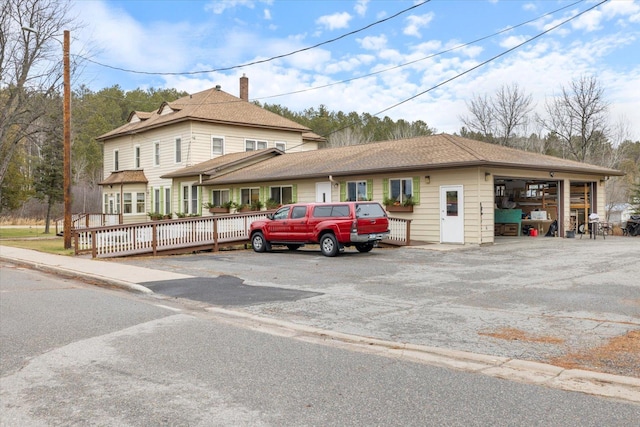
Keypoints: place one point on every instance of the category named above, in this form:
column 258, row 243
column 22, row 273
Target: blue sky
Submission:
column 189, row 36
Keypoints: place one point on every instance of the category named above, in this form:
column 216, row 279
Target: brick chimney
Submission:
column 244, row 88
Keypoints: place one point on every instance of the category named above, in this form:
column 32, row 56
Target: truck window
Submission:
column 281, row 213
column 342, row 210
column 322, row 211
column 298, row 212
column 369, row 210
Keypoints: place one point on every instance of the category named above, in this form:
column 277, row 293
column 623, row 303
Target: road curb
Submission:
column 74, row 274
column 530, row 372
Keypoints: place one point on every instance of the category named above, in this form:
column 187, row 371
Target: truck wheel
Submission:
column 258, row 242
column 364, row 247
column 329, row 245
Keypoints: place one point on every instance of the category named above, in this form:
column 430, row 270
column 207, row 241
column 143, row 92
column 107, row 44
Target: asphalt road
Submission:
column 74, row 354
column 564, row 295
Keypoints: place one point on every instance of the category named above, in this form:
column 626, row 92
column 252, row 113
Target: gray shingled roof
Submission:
column 219, row 164
column 213, row 106
column 425, row 152
column 125, row 177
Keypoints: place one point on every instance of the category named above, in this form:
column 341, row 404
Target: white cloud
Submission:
column 373, row 42
column 417, row 22
column 361, row 7
column 267, row 14
column 218, row 7
column 335, row 21
column 512, row 41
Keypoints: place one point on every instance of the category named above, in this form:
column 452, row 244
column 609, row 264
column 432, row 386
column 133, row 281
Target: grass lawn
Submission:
column 33, row 237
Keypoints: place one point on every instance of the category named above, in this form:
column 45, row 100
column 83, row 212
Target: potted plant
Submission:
column 224, row 208
column 155, row 216
column 256, row 205
column 243, row 207
column 272, row 204
column 394, row 205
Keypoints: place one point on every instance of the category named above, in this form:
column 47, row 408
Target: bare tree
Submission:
column 30, row 67
column 482, row 117
column 511, row 109
column 348, row 136
column 578, row 117
column 500, row 117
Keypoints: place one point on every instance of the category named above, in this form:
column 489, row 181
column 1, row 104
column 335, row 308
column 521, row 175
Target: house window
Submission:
column 178, row 150
column 167, row 201
column 140, row 202
column 282, row 195
column 116, row 160
column 156, row 154
column 220, row 197
column 156, row 200
column 128, row 208
column 106, row 204
column 252, row 144
column 282, row 146
column 136, row 157
column 356, row 190
column 189, row 199
column 401, row 189
column 217, row 146
column 249, row 195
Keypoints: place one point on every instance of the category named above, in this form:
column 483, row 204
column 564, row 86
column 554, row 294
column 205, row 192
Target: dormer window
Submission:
column 165, row 110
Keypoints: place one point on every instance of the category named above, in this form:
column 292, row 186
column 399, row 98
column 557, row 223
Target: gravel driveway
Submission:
column 545, row 299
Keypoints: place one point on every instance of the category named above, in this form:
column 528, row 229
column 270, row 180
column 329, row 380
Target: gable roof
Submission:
column 125, row 177
column 424, row 152
column 213, row 106
column 222, row 163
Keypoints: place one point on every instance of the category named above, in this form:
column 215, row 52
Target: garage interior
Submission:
column 531, row 207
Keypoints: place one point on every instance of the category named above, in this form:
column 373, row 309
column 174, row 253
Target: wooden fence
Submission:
column 185, row 235
column 89, row 220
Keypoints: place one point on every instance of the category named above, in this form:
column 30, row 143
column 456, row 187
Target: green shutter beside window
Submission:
column 343, row 191
column 369, row 189
column 294, row 193
column 416, row 190
column 385, row 189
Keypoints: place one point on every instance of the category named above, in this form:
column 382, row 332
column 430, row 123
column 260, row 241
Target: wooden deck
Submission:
column 185, row 235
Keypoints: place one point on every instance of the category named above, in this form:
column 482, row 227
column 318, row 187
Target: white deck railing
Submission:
column 176, row 234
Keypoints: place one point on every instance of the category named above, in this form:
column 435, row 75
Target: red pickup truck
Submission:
column 332, row 225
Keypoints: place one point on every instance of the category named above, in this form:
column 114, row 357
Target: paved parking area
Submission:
column 526, row 298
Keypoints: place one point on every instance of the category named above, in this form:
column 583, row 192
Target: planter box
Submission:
column 218, row 210
column 393, row 208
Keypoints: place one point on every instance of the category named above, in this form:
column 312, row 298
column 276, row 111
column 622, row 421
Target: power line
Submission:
column 421, row 59
column 510, row 28
column 493, row 58
column 189, row 73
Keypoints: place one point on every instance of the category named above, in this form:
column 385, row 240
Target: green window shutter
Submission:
column 416, row 190
column 369, row 189
column 161, row 202
column 151, row 204
column 294, row 193
column 263, row 194
column 343, row 191
column 200, row 200
column 385, row 189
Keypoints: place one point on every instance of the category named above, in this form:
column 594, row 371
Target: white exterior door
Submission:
column 323, row 192
column 451, row 214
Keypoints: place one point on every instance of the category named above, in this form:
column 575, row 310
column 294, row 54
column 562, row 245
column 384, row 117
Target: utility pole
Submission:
column 66, row 111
